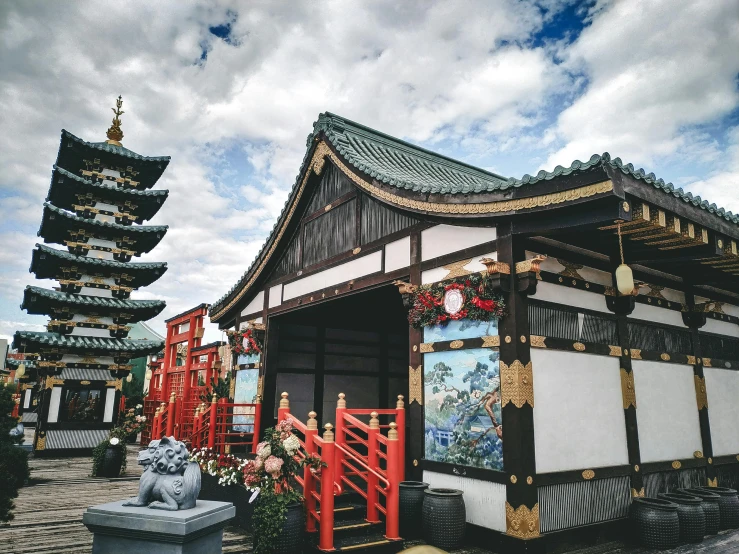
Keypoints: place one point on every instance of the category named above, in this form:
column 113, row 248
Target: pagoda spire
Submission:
column 114, row 134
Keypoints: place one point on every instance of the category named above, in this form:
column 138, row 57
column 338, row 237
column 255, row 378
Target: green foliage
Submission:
column 13, row 460
column 220, row 387
column 98, row 453
column 133, row 391
column 269, row 517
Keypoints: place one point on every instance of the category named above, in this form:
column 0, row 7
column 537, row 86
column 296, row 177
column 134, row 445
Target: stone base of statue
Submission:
column 122, row 529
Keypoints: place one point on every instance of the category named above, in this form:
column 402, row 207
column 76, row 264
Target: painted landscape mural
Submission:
column 245, row 392
column 462, row 399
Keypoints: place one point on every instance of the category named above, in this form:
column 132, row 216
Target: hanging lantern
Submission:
column 148, row 375
column 624, row 275
column 21, row 371
column 129, row 378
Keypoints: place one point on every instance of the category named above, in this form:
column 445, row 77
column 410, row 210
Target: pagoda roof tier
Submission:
column 58, row 225
column 74, row 153
column 66, row 188
column 39, row 301
column 49, row 263
column 72, row 344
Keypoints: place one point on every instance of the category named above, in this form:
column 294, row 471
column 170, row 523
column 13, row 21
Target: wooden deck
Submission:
column 48, row 515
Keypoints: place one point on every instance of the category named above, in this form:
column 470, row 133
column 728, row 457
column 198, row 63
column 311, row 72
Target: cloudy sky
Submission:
column 230, row 91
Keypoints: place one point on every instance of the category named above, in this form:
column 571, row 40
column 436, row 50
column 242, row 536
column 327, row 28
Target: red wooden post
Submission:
column 392, row 507
column 122, row 404
column 308, row 479
column 340, row 438
column 212, row 424
column 284, row 410
column 162, row 415
column 155, row 426
column 326, row 539
column 400, row 420
column 171, row 414
column 195, row 427
column 372, row 481
column 257, row 423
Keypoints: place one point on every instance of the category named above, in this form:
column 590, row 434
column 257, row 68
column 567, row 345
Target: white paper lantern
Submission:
column 148, row 375
column 624, row 279
column 21, row 371
column 129, row 378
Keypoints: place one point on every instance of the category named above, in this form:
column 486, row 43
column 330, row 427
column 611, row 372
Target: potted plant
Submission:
column 109, row 457
column 131, row 423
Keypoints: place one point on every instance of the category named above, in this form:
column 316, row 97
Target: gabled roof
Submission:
column 35, row 340
column 47, row 262
column 417, row 180
column 56, row 224
column 65, row 186
column 39, row 301
column 73, row 150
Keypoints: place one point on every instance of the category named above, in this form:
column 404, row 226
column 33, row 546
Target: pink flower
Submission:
column 258, row 463
column 273, row 466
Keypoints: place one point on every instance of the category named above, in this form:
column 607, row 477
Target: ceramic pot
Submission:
column 111, row 463
column 290, row 539
column 236, row 494
column 709, row 504
column 411, row 508
column 728, row 506
column 655, row 522
column 691, row 516
column 444, row 518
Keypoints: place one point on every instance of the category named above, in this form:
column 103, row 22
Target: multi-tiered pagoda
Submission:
column 100, row 194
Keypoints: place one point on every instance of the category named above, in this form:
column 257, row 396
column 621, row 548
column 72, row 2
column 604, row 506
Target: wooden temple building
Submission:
column 100, row 193
column 562, row 342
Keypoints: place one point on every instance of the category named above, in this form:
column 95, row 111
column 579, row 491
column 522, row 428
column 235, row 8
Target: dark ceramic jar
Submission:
column 728, row 505
column 411, row 508
column 290, row 539
column 709, row 504
column 444, row 518
column 655, row 522
column 111, row 462
column 690, row 514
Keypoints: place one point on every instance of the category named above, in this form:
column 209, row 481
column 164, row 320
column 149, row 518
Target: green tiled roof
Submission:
column 113, row 149
column 13, row 363
column 144, row 273
column 34, row 339
column 120, row 228
column 91, row 303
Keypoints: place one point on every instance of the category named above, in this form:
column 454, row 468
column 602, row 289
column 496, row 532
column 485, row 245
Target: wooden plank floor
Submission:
column 48, row 512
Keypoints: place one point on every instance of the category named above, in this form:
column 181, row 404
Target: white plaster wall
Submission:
column 97, row 254
column 578, row 411
column 83, row 332
column 666, row 410
column 27, row 399
column 439, row 273
column 100, row 242
column 570, row 297
column 74, row 358
column 484, row 501
column 256, row 305
column 398, row 254
column 104, row 218
column 552, row 265
column 358, row 267
column 657, row 314
column 54, row 401
column 721, row 328
column 109, row 405
column 91, row 278
column 106, row 207
column 83, row 317
column 111, row 172
column 275, row 296
column 722, row 388
column 445, row 239
column 245, row 324
column 92, row 291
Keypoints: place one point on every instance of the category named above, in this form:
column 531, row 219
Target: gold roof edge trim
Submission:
column 502, row 206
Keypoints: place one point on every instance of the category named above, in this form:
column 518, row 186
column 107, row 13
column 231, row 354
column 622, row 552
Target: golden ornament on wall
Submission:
column 700, row 392
column 713, row 482
column 588, row 474
column 522, row 522
column 677, row 464
column 456, row 344
column 628, row 393
column 427, row 347
column 537, row 341
column 637, row 493
column 415, row 385
column 517, row 384
column 580, row 347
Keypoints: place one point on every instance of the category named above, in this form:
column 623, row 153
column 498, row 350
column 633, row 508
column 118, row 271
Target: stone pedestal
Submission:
column 121, row 529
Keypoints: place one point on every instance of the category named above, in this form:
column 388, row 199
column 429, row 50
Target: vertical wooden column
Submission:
column 188, row 358
column 517, row 399
column 166, row 363
column 415, row 440
column 695, row 320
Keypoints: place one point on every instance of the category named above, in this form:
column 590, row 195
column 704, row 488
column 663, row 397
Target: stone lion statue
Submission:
column 169, row 481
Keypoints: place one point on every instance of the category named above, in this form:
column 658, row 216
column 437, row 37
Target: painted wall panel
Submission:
column 570, row 297
column 445, row 239
column 275, row 296
column 484, row 501
column 256, row 305
column 90, row 291
column 657, row 315
column 54, row 401
column 398, row 254
column 578, row 411
column 441, row 273
column 109, row 405
column 86, row 332
column 722, row 388
column 359, row 267
column 721, row 328
column 666, row 410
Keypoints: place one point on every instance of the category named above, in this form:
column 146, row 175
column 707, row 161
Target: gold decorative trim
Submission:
column 490, row 341
column 698, row 454
column 318, row 161
column 676, row 464
column 522, row 522
column 628, row 393
column 357, row 250
column 665, row 357
column 529, row 480
column 456, row 344
column 691, row 359
column 456, row 269
column 635, row 354
column 713, row 482
column 588, row 474
column 570, row 270
column 614, row 350
column 700, row 392
column 580, row 347
column 41, row 443
column 51, row 381
column 637, row 493
column 415, row 385
column 517, row 384
column 118, row 384
column 534, row 264
column 427, row 347
column 84, row 382
column 707, row 362
column 494, row 266
column 260, row 389
column 537, row 341
column 514, row 479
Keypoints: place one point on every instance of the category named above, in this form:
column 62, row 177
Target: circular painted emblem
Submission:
column 453, row 301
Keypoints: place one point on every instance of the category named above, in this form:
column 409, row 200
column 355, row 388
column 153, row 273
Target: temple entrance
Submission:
column 357, row 345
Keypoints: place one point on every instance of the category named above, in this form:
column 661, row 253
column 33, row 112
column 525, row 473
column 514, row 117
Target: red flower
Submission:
column 487, row 305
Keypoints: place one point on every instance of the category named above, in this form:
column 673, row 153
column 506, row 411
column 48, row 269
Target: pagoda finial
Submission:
column 115, row 135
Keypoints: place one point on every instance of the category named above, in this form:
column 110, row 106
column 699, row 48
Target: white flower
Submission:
column 264, row 452
column 291, row 444
column 114, row 441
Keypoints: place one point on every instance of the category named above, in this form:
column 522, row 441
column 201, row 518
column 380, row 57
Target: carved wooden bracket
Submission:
column 527, row 274
column 621, row 305
column 406, row 290
column 695, row 318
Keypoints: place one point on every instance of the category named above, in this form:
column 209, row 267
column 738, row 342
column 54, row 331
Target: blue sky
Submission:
column 230, row 91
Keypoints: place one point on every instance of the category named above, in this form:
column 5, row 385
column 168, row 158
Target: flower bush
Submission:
column 229, row 469
column 130, row 423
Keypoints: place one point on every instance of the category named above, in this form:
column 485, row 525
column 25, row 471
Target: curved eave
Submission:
column 46, row 263
column 56, row 224
column 40, row 301
column 65, row 186
column 40, row 341
column 73, row 150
